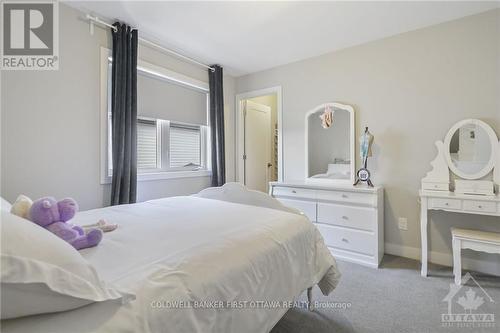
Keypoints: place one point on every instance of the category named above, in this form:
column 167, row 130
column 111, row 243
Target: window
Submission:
column 185, row 146
column 147, row 145
column 166, row 146
column 172, row 135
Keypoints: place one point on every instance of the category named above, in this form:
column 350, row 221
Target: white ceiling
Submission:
column 246, row 37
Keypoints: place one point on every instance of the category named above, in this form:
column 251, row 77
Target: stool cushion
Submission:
column 476, row 234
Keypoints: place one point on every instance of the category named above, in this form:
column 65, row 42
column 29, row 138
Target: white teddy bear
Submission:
column 21, row 207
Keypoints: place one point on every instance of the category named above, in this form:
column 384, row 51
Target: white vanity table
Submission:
column 350, row 218
column 451, row 202
column 471, row 152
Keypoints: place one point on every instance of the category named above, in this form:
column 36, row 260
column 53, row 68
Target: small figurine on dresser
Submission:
column 365, row 151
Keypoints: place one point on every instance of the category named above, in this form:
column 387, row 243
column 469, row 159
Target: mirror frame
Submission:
column 352, row 140
column 493, row 141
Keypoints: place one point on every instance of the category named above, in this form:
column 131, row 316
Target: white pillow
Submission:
column 238, row 193
column 341, row 168
column 5, row 205
column 42, row 273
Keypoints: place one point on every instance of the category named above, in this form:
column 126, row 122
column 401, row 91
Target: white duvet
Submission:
column 225, row 266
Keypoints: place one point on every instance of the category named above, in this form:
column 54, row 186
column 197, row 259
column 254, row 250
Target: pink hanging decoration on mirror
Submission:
column 327, row 117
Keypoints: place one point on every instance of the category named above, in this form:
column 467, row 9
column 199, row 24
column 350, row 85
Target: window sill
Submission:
column 144, row 177
column 172, row 175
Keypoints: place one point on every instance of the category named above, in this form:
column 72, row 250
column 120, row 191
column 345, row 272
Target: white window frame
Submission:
column 153, row 174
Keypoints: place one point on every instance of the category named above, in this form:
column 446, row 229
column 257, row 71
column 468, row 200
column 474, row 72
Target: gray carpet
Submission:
column 395, row 298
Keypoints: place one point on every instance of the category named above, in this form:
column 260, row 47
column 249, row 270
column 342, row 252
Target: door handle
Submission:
column 269, row 165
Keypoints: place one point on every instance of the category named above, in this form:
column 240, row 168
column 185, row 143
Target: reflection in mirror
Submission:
column 329, row 148
column 470, row 148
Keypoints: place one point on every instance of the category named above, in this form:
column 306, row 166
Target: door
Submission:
column 257, row 145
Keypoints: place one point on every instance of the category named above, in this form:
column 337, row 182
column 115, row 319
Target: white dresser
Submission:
column 351, row 219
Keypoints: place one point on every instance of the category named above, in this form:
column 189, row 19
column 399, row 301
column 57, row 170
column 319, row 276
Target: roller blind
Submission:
column 159, row 98
column 147, row 145
column 184, row 146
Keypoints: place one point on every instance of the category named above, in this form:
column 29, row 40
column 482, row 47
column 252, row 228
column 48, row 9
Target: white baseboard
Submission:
column 445, row 259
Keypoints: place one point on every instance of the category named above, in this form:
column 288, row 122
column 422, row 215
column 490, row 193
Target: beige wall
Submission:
column 409, row 89
column 50, row 122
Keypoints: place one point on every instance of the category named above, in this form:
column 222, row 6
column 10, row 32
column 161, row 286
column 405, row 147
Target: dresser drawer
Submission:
column 348, row 197
column 307, row 207
column 347, row 216
column 294, row 192
column 480, row 206
column 350, row 240
column 445, row 203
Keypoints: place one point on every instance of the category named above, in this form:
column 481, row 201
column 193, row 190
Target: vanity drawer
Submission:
column 294, row 192
column 351, row 240
column 445, row 203
column 347, row 216
column 307, row 207
column 435, row 186
column 348, row 197
column 480, row 206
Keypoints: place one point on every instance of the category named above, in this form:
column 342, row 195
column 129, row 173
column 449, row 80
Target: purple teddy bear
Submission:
column 53, row 216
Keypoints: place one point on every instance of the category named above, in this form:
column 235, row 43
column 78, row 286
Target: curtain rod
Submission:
column 95, row 19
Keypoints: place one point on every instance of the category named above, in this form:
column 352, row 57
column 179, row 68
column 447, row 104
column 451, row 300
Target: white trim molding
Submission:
column 105, row 53
column 444, row 259
column 173, row 174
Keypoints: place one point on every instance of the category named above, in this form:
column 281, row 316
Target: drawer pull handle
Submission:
column 479, row 206
column 446, row 204
column 345, row 240
column 344, row 196
column 345, row 217
column 293, row 191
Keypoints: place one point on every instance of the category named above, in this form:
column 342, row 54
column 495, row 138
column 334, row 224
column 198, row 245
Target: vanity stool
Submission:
column 471, row 239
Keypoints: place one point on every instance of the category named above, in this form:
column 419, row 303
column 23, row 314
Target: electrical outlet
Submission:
column 403, row 223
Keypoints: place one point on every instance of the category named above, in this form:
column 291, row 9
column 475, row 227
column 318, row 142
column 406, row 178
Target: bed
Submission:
column 197, row 264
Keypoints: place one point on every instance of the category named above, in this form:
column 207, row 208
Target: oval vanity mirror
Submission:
column 330, row 144
column 470, row 149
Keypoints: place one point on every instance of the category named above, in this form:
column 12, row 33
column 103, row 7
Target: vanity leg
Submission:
column 457, row 261
column 423, row 235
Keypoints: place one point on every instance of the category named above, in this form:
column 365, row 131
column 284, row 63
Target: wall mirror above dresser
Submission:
column 329, row 144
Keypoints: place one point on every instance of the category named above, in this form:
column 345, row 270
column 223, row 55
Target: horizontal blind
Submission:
column 146, row 145
column 184, row 146
column 161, row 99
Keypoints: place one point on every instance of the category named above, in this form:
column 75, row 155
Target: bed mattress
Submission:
column 196, row 265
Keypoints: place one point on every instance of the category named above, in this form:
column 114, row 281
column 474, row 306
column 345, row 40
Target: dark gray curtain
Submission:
column 217, row 125
column 124, row 115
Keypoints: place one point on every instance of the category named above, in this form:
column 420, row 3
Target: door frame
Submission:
column 240, row 128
